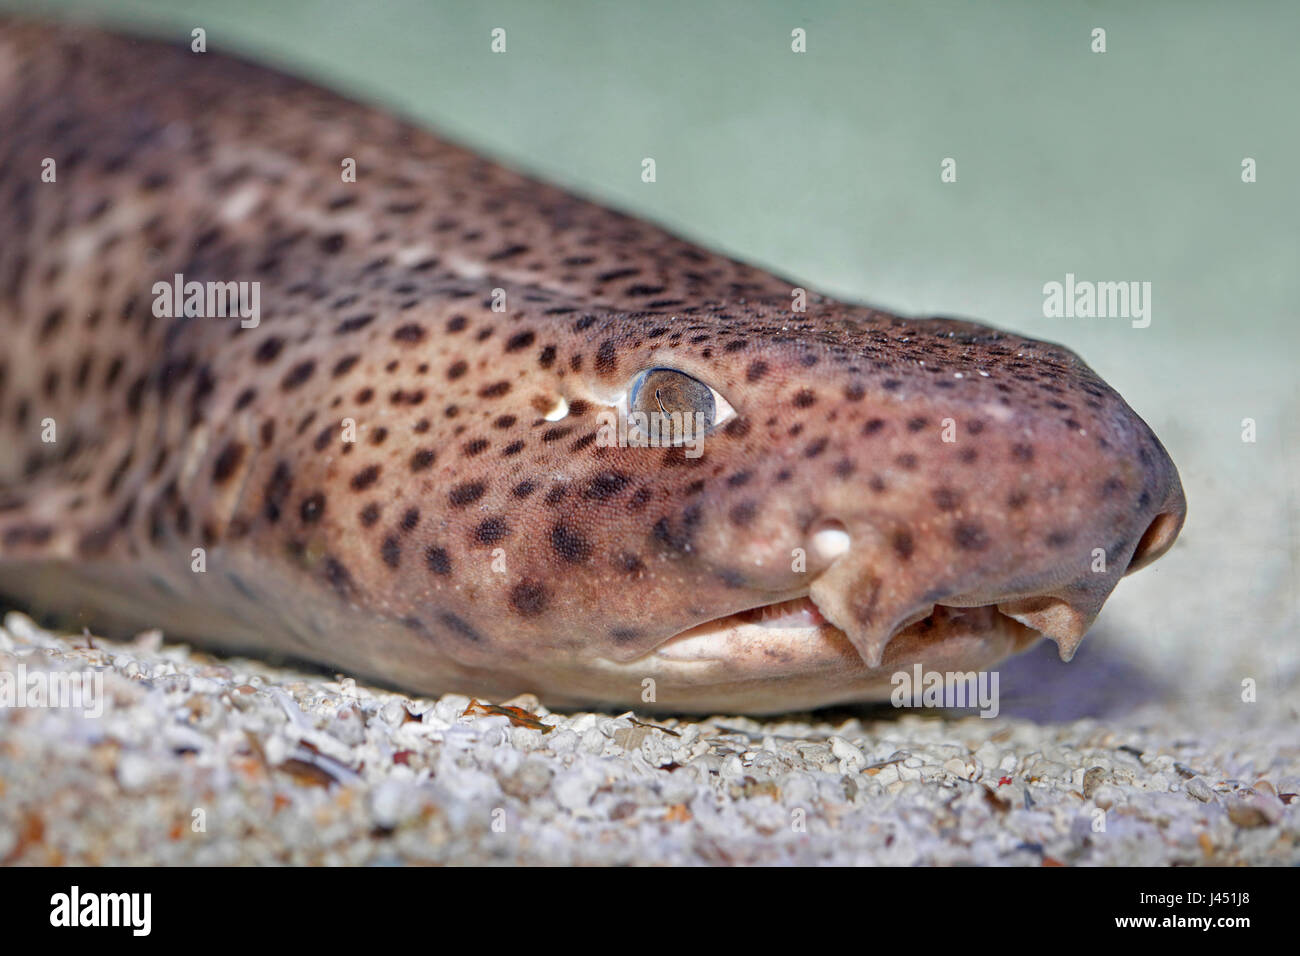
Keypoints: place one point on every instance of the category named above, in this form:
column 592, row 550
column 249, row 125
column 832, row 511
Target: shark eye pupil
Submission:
column 672, row 402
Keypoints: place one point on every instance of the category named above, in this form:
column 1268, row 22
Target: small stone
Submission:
column 1092, row 779
column 957, row 767
column 1254, row 809
column 135, row 772
column 573, row 791
column 1199, row 789
column 844, row 750
column 530, row 780
column 392, row 803
column 732, row 768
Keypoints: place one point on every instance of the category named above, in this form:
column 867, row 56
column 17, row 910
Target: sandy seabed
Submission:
column 200, row 760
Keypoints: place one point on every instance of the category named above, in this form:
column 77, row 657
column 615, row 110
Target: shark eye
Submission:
column 674, row 407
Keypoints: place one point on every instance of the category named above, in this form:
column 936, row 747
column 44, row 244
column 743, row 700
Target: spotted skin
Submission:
column 467, row 539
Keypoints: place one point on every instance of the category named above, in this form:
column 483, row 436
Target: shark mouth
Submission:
column 794, row 632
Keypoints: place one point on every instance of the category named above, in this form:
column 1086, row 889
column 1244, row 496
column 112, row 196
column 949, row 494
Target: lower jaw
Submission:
column 792, row 638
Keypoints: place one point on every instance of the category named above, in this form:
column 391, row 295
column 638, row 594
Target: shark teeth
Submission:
column 1054, row 618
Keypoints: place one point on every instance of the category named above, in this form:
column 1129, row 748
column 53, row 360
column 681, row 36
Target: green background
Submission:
column 824, row 167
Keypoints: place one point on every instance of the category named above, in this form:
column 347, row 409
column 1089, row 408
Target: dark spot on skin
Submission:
column 606, row 485
column 743, row 513
column 946, row 499
column 1111, row 487
column 323, row 438
column 1059, row 538
column 970, row 536
column 369, row 515
column 276, row 491
column 872, row 426
column 606, row 358
column 437, row 560
column 135, row 393
column 269, row 350
column 524, row 488
column 491, row 530
column 907, row 462
column 507, row 252
column 337, row 575
column 344, row 365
column 1017, row 500
column 815, row 448
column 28, row 534
column 409, row 334
column 459, row 627
column 228, row 462
column 415, row 624
column 365, row 395
column 804, row 399
column 354, row 324
column 513, row 448
column 903, row 544
column 547, row 357
column 457, row 323
column 365, row 478
column 410, row 518
column 457, row 369
column 855, row 392
column 495, row 390
column 1022, row 452
column 297, row 375
column 756, row 371
column 916, row 424
column 332, row 243
column 569, row 544
column 422, row 459
column 391, row 551
column 466, row 494
column 529, row 598
column 520, row 340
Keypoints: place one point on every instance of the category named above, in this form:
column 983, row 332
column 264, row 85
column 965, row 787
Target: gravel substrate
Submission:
column 199, row 760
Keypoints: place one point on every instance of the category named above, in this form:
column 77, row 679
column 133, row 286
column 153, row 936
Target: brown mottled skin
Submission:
column 377, row 557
